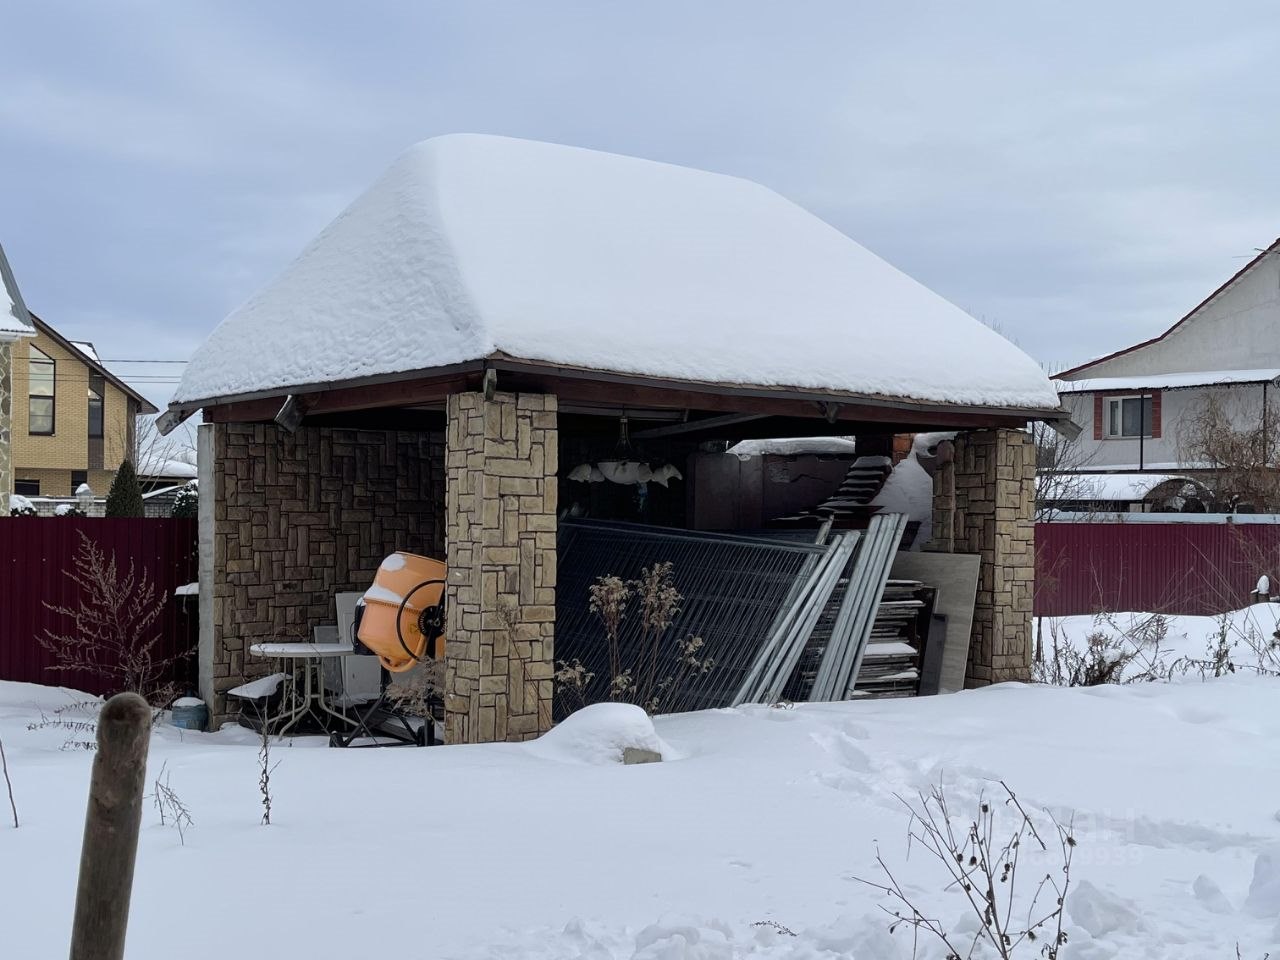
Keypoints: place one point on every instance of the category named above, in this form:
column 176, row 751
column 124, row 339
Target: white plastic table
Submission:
column 310, row 701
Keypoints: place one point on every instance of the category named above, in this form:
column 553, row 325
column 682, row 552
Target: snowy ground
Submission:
column 553, row 851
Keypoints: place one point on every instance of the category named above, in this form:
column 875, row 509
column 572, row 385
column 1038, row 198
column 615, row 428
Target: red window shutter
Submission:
column 1155, row 413
column 1097, row 416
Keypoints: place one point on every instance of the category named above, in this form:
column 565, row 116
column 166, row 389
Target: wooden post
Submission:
column 111, row 829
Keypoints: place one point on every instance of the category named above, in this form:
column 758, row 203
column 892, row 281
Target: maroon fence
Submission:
column 35, row 552
column 1177, row 568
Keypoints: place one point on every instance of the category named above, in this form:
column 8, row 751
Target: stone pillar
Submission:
column 501, row 461
column 6, row 425
column 211, row 492
column 994, row 517
column 944, row 500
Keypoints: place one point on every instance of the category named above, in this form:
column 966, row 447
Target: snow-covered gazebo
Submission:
column 492, row 306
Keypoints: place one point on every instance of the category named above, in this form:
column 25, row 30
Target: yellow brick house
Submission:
column 73, row 420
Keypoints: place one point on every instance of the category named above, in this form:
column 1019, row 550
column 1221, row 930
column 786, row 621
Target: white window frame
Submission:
column 1107, row 406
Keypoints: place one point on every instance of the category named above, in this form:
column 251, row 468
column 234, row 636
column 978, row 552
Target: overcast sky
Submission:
column 1078, row 176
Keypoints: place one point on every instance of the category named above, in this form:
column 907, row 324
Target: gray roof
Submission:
column 14, row 319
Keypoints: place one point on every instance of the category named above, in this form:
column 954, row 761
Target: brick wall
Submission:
column 994, row 490
column 299, row 517
column 68, row 448
column 502, row 457
column 57, row 482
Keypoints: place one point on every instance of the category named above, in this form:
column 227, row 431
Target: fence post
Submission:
column 111, row 829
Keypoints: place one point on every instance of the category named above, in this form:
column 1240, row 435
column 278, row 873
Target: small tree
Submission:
column 186, row 502
column 1059, row 462
column 1238, row 444
column 125, row 498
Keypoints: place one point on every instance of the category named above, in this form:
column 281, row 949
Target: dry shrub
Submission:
column 1113, row 652
column 112, row 633
column 633, row 675
column 415, row 693
column 984, row 864
column 4, row 766
column 173, row 812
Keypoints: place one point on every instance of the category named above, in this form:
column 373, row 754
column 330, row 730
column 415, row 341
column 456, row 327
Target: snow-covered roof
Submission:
column 88, row 349
column 175, row 467
column 795, row 447
column 1169, row 381
column 1104, row 486
column 473, row 246
column 14, row 320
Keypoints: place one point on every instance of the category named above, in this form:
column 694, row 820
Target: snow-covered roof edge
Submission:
column 41, row 325
column 14, row 318
column 1170, row 381
column 1104, row 486
column 795, row 447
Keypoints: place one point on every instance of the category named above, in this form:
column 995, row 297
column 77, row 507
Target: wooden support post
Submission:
column 111, row 825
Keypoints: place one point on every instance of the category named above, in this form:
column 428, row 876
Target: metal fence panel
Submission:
column 35, row 552
column 734, row 589
column 1177, row 568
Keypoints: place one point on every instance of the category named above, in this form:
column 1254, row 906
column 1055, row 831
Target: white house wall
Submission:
column 1243, row 402
column 1237, row 330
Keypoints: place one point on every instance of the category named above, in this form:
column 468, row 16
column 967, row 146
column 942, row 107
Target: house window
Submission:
column 78, row 477
column 97, row 386
column 1128, row 416
column 28, row 488
column 40, row 383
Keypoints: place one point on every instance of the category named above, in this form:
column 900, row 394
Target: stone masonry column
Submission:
column 944, row 500
column 994, row 517
column 501, row 461
column 6, row 425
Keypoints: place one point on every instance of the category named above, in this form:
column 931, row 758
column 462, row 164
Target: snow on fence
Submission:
column 35, row 552
column 57, row 506
column 1201, row 568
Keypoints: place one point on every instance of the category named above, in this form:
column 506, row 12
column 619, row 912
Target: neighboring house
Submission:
column 1134, row 404
column 73, row 420
column 15, row 325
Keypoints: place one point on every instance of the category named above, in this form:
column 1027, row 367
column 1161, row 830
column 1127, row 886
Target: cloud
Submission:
column 1080, row 176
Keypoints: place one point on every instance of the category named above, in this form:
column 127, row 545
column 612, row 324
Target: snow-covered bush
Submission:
column 20, row 506
column 68, row 510
column 1115, row 650
column 186, row 502
column 1134, row 647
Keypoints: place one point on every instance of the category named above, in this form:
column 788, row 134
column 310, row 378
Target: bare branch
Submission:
column 4, row 765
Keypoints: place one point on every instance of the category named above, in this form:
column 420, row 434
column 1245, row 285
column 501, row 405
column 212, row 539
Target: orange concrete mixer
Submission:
column 401, row 620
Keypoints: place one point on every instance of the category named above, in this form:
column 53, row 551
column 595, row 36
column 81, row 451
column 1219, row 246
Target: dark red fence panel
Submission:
column 1178, row 568
column 35, row 552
